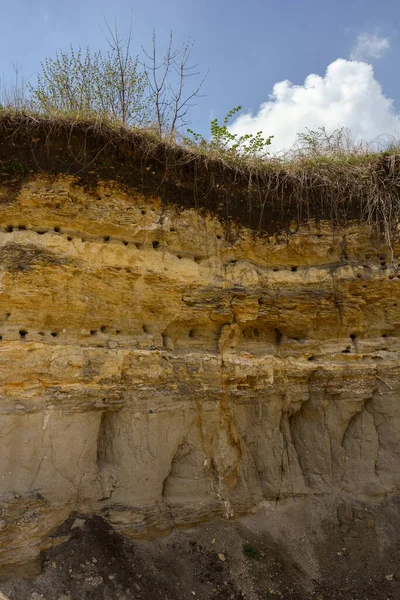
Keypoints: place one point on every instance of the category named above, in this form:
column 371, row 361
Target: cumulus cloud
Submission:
column 347, row 96
column 369, row 45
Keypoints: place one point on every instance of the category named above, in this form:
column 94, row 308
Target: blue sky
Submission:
column 247, row 47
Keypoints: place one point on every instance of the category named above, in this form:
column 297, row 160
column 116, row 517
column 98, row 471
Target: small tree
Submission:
column 116, row 85
column 231, row 144
column 84, row 82
column 168, row 80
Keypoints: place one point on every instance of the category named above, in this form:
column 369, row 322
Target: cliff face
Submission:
column 159, row 368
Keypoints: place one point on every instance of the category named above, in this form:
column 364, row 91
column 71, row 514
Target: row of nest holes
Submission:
column 347, row 350
column 23, row 332
column 293, row 269
column 11, row 228
column 93, row 332
column 156, row 244
column 106, row 239
column 353, row 336
column 192, row 334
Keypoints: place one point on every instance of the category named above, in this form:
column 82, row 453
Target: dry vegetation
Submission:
column 265, row 194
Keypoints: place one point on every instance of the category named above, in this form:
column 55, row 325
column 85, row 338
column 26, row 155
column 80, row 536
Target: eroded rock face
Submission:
column 159, row 368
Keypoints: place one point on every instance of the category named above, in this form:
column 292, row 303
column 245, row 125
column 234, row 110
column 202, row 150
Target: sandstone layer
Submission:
column 159, row 368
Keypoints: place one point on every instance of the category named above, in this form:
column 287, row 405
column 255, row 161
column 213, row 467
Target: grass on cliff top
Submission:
column 265, row 194
column 296, row 158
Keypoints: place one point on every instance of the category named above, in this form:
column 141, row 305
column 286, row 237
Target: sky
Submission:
column 291, row 64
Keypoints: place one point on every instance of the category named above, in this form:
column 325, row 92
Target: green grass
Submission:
column 250, row 551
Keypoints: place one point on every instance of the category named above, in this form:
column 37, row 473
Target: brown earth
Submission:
column 224, row 560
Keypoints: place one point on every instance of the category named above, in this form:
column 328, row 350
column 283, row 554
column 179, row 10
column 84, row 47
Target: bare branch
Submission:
column 167, row 81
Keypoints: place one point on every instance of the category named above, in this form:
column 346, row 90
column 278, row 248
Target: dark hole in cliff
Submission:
column 42, row 333
column 106, row 238
column 8, row 315
column 9, row 228
column 40, row 232
column 293, row 269
column 250, row 332
column 150, row 412
column 22, row 333
column 384, row 335
column 145, row 329
column 172, row 230
column 310, row 358
column 103, row 328
column 117, row 331
column 346, row 350
column 54, row 334
column 143, row 212
column 155, row 244
column 275, row 269
column 278, row 336
column 218, row 237
column 22, row 227
column 359, row 275
column 125, row 242
column 179, row 256
column 93, row 332
column 191, row 333
column 353, row 336
column 57, row 229
column 197, row 259
column 1, row 337
column 69, row 238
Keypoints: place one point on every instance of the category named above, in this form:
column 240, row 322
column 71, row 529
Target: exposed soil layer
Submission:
column 265, row 196
column 221, row 560
column 160, row 370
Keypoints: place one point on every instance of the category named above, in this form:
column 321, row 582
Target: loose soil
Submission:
column 222, row 560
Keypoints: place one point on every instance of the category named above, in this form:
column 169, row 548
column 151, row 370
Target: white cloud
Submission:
column 347, row 96
column 369, row 45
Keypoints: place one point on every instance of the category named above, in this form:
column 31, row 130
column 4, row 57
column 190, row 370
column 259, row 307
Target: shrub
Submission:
column 230, row 144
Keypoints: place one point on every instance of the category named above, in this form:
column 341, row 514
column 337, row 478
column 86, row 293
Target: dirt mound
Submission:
column 220, row 560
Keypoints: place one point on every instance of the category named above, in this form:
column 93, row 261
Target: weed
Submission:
column 250, row 551
column 17, row 168
column 230, row 144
